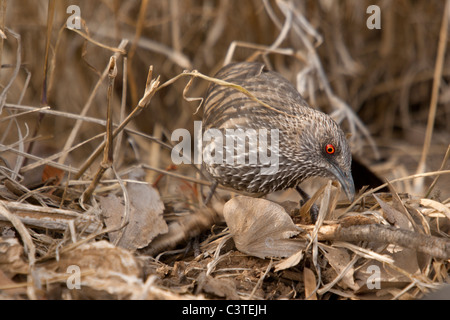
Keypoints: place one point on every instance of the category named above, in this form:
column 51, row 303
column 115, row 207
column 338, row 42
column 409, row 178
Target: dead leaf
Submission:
column 145, row 219
column 112, row 211
column 339, row 258
column 289, row 262
column 439, row 207
column 52, row 175
column 309, row 279
column 394, row 216
column 261, row 228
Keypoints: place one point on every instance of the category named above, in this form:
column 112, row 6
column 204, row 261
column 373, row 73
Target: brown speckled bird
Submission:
column 310, row 143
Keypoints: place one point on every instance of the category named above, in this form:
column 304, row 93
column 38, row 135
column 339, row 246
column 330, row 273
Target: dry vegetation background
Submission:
column 389, row 88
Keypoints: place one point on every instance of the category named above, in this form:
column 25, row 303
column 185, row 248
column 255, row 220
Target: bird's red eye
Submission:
column 329, row 148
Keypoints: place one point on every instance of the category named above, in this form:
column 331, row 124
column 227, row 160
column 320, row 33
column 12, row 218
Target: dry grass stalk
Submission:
column 50, row 16
column 435, row 91
column 107, row 161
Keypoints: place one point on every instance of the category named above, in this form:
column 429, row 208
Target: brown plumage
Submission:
column 310, row 143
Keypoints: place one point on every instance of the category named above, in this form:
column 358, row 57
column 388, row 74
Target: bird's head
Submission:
column 320, row 145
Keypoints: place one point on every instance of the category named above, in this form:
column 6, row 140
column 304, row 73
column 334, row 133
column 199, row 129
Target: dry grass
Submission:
column 87, row 179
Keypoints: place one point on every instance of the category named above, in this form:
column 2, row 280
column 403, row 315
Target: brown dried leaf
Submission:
column 310, row 284
column 261, row 228
column 394, row 216
column 339, row 258
column 145, row 221
column 52, row 175
column 289, row 262
column 439, row 207
column 112, row 211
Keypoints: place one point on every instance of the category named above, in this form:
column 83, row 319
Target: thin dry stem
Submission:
column 109, row 143
column 435, row 91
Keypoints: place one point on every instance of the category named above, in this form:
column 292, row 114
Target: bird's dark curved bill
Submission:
column 346, row 181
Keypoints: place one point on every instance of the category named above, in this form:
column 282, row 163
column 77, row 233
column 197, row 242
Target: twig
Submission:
column 109, row 149
column 50, row 16
column 49, row 218
column 119, row 50
column 122, row 106
column 433, row 246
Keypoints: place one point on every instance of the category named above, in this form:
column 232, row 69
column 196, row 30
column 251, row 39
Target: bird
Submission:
column 309, row 143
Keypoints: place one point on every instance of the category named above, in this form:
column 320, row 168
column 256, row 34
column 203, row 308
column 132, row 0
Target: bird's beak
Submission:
column 346, row 181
